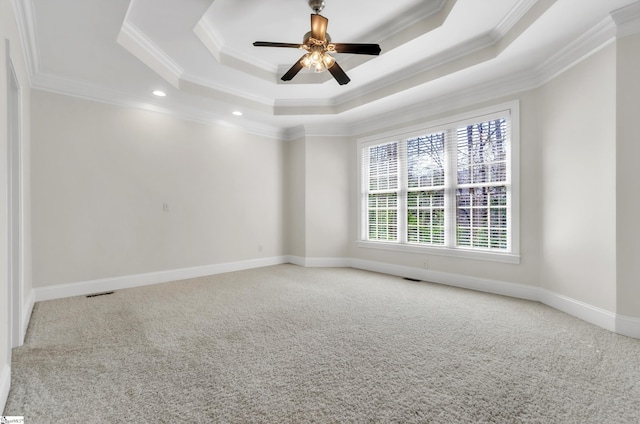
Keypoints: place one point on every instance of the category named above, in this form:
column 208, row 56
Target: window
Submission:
column 445, row 188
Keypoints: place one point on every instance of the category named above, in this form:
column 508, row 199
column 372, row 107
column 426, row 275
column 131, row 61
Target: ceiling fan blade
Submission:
column 339, row 74
column 270, row 44
column 293, row 71
column 357, row 48
column 319, row 27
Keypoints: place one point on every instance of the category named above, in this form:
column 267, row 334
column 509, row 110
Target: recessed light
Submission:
column 159, row 93
column 237, row 113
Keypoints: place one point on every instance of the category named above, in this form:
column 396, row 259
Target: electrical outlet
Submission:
column 259, row 248
column 426, row 264
column 165, row 207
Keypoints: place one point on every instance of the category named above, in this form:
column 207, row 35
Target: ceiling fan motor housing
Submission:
column 316, row 5
column 307, row 36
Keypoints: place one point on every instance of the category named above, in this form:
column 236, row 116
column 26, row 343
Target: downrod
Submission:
column 316, row 5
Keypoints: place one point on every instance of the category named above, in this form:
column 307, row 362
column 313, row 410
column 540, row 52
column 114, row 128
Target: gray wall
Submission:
column 578, row 136
column 101, row 177
column 628, row 175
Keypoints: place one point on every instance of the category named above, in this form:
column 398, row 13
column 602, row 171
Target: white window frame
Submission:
column 510, row 109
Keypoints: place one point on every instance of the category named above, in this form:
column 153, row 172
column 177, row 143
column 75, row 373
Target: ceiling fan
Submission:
column 318, row 46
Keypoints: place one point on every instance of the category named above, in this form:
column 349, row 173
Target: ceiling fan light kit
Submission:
column 318, row 46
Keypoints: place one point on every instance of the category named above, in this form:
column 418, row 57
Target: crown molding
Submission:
column 475, row 94
column 465, row 55
column 295, row 133
column 73, row 88
column 485, row 47
column 620, row 23
column 394, row 32
column 317, row 130
column 319, row 102
column 228, row 56
column 225, row 55
column 136, row 42
column 512, row 18
column 415, row 22
column 196, row 85
column 627, row 20
column 322, row 130
column 596, row 38
column 419, row 20
column 143, row 48
column 418, row 70
column 208, row 35
column 26, row 22
column 250, row 127
column 480, row 49
column 383, row 87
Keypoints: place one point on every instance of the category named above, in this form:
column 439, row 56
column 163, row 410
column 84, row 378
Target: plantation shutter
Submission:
column 425, row 200
column 382, row 185
column 482, row 184
column 447, row 188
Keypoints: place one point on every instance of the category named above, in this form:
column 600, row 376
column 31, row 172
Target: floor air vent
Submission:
column 99, row 294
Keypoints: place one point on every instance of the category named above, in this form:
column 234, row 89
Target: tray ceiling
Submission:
column 435, row 54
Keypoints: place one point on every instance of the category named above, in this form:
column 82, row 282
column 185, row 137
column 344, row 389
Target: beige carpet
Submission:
column 286, row 344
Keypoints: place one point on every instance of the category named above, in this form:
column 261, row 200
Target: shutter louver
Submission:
column 481, row 194
column 448, row 188
column 425, row 189
column 382, row 198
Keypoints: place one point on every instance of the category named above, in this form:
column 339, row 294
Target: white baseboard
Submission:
column 319, row 262
column 474, row 283
column 26, row 316
column 584, row 311
column 628, row 326
column 295, row 260
column 620, row 324
column 5, row 385
column 138, row 280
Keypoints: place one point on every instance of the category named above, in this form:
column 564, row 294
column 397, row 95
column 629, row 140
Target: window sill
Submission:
column 443, row 251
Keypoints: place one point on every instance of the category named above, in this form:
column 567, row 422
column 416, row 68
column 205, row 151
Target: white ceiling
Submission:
column 435, row 54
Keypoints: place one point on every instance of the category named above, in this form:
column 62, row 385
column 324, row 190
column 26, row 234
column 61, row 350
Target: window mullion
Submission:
column 450, row 181
column 403, row 185
column 364, row 196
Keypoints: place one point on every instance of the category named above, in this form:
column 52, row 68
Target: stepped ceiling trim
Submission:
column 395, row 32
column 627, row 20
column 28, row 36
column 385, row 90
column 471, row 53
column 142, row 47
column 474, row 51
